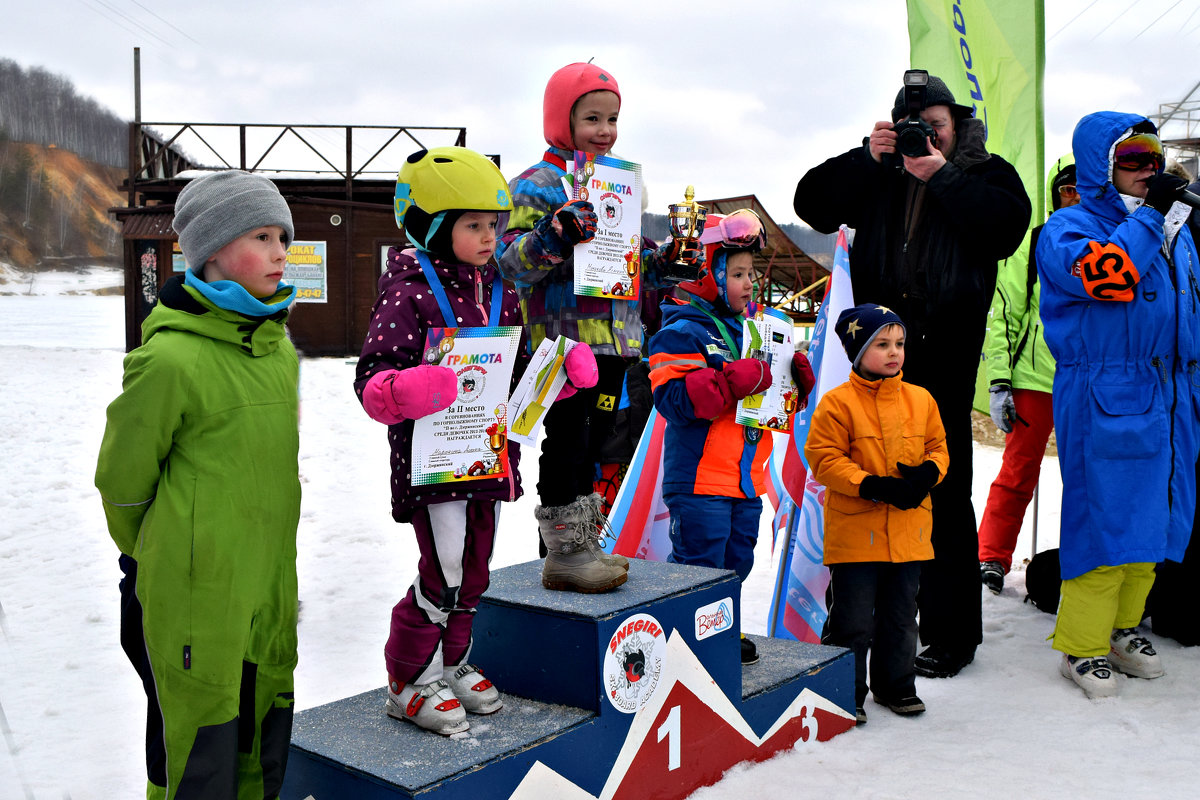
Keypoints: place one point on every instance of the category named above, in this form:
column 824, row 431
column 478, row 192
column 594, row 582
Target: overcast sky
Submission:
column 734, row 97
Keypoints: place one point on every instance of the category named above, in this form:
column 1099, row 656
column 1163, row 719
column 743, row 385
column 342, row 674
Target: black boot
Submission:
column 937, row 661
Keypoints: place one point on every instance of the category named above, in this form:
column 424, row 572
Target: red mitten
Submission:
column 709, row 392
column 802, row 374
column 747, row 376
column 393, row 396
column 582, row 372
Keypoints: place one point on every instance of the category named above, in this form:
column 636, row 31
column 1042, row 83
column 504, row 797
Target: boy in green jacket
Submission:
column 199, row 474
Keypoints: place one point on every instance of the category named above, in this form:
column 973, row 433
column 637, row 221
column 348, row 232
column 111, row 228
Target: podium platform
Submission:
column 638, row 692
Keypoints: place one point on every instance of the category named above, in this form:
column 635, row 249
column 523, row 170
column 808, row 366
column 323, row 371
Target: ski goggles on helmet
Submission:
column 741, row 230
column 1138, row 152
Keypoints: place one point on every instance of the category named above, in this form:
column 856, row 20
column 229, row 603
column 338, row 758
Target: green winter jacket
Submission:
column 198, row 470
column 1014, row 350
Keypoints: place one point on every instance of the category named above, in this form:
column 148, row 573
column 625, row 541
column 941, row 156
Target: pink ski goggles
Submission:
column 741, row 230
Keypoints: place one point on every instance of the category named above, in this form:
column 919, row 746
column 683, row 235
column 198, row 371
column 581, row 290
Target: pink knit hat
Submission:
column 565, row 87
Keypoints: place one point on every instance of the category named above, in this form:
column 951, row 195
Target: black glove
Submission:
column 1164, row 190
column 578, row 220
column 897, row 492
column 923, row 477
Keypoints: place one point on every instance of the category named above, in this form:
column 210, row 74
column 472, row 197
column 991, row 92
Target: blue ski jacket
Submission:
column 1122, row 320
column 719, row 457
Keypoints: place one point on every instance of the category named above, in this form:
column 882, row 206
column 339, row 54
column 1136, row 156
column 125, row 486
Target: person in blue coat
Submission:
column 1121, row 313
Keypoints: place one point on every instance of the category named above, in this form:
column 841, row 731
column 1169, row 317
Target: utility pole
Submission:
column 137, row 84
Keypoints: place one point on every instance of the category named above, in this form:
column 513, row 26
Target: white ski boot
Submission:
column 1133, row 654
column 475, row 692
column 431, row 706
column 1093, row 675
column 574, row 561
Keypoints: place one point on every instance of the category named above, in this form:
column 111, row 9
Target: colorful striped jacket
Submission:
column 545, row 280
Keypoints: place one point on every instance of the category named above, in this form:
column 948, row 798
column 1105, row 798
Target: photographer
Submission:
column 929, row 230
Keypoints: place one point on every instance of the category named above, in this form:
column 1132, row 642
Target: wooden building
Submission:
column 785, row 277
column 339, row 182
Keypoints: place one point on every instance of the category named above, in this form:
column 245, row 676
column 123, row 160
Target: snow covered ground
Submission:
column 71, row 708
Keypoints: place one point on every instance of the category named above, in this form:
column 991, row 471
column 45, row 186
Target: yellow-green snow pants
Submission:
column 1094, row 603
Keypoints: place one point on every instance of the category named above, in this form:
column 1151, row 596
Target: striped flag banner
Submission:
column 798, row 601
column 639, row 518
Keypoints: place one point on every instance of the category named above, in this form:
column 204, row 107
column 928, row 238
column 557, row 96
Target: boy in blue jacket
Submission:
column 712, row 465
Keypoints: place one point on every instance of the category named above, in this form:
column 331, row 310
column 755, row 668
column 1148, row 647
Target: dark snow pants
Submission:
column 949, row 599
column 873, row 608
column 576, row 429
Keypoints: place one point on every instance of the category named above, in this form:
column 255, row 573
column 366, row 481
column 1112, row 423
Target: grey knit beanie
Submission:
column 215, row 209
column 937, row 93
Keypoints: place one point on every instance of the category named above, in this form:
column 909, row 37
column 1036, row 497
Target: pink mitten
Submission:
column 709, row 392
column 582, row 372
column 393, row 396
column 747, row 376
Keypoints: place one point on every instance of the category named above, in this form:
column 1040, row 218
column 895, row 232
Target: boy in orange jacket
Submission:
column 878, row 446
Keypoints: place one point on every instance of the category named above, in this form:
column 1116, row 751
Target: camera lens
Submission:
column 911, row 142
column 911, row 136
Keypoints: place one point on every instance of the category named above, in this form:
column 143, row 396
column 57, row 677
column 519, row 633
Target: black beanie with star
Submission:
column 857, row 327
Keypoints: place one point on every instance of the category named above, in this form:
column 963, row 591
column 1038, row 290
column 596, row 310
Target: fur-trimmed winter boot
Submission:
column 594, row 503
column 573, row 557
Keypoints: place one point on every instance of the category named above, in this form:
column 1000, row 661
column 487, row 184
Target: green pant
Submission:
column 220, row 688
column 224, row 741
column 1096, row 602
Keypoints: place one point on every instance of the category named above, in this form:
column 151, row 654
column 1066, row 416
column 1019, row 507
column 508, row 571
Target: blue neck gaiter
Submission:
column 233, row 296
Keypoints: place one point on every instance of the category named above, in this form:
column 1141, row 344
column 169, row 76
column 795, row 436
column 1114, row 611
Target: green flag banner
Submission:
column 992, row 56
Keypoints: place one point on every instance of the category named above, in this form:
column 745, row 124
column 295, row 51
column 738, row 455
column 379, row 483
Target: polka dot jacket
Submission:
column 402, row 315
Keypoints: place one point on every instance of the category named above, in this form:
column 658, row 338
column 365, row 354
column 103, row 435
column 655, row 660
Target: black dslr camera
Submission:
column 913, row 132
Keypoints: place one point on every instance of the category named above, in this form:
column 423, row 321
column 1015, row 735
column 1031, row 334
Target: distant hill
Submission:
column 62, row 157
column 54, row 207
column 40, row 107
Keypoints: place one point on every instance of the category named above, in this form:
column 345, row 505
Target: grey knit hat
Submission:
column 937, row 93
column 215, row 209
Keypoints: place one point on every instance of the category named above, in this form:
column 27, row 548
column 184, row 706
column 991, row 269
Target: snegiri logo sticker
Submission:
column 714, row 618
column 471, row 380
column 633, row 662
column 610, row 210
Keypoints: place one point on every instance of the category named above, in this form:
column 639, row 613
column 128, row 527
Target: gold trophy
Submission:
column 686, row 220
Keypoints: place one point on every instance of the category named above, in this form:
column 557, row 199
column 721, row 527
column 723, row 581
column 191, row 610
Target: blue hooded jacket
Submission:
column 1122, row 318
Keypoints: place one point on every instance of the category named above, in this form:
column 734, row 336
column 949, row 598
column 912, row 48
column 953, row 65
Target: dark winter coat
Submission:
column 928, row 251
column 1127, row 384
column 400, row 319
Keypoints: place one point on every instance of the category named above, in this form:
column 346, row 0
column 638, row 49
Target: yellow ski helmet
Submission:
column 451, row 178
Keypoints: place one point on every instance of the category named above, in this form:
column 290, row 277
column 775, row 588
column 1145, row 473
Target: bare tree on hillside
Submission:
column 40, row 107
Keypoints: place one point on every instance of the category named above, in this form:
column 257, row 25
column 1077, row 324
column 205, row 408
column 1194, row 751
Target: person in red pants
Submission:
column 1021, row 375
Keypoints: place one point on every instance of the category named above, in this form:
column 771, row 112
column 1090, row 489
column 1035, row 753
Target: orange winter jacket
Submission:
column 863, row 428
